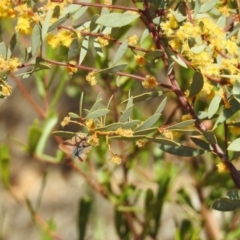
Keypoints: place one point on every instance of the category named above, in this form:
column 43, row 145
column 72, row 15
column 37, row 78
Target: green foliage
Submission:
column 151, row 95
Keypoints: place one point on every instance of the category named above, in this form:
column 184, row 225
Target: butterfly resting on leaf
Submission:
column 77, row 147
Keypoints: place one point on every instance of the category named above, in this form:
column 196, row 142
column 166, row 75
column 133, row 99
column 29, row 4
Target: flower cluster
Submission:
column 91, row 78
column 26, row 19
column 140, row 60
column 124, row 132
column 132, row 41
column 63, row 37
column 102, row 41
column 116, row 159
column 206, row 46
column 149, row 82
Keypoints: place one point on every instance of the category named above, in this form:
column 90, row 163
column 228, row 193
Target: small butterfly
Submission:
column 76, row 147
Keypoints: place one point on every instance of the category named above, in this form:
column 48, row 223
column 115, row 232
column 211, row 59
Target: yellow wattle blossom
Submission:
column 149, row 82
column 234, row 130
column 186, row 117
column 168, row 134
column 227, row 104
column 93, row 140
column 140, row 60
column 209, row 44
column 90, row 124
column 5, row 89
column 71, row 69
column 65, row 121
column 225, row 10
column 26, row 19
column 102, row 41
column 132, row 41
column 6, row 9
column 63, row 37
column 222, row 167
column 141, row 143
column 91, row 78
column 124, row 132
column 116, row 159
column 11, row 64
column 53, row 41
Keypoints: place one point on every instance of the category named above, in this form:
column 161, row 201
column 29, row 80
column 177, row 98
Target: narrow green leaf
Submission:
column 178, row 60
column 126, row 114
column 12, row 45
column 4, row 73
column 117, row 19
column 197, row 7
column 83, row 216
column 234, row 145
column 236, row 88
column 183, row 151
column 3, row 50
column 145, row 96
column 81, row 104
column 181, row 124
column 73, row 115
column 84, row 49
column 73, row 50
column 145, row 34
column 63, row 134
column 47, row 128
column 130, row 124
column 208, row 6
column 129, row 209
column 5, row 165
column 197, row 84
column 225, row 205
column 110, row 127
column 210, row 137
column 120, row 52
column 121, row 225
column 58, row 22
column 192, row 132
column 96, row 105
column 213, row 106
column 163, row 141
column 34, row 134
column 130, row 102
column 36, row 39
column 145, row 131
column 41, row 88
column 98, row 48
column 201, row 143
column 56, row 12
column 79, row 12
column 233, row 194
column 132, row 138
column 117, row 68
column 149, row 122
column 221, row 22
column 178, row 16
column 154, row 54
column 161, row 106
column 46, row 24
column 97, row 113
column 108, row 105
column 227, row 112
column 198, row 49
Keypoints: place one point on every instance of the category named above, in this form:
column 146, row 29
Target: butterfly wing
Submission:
column 83, row 147
column 76, row 147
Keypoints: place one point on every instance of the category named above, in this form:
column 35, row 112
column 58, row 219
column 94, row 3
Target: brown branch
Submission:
column 28, row 97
